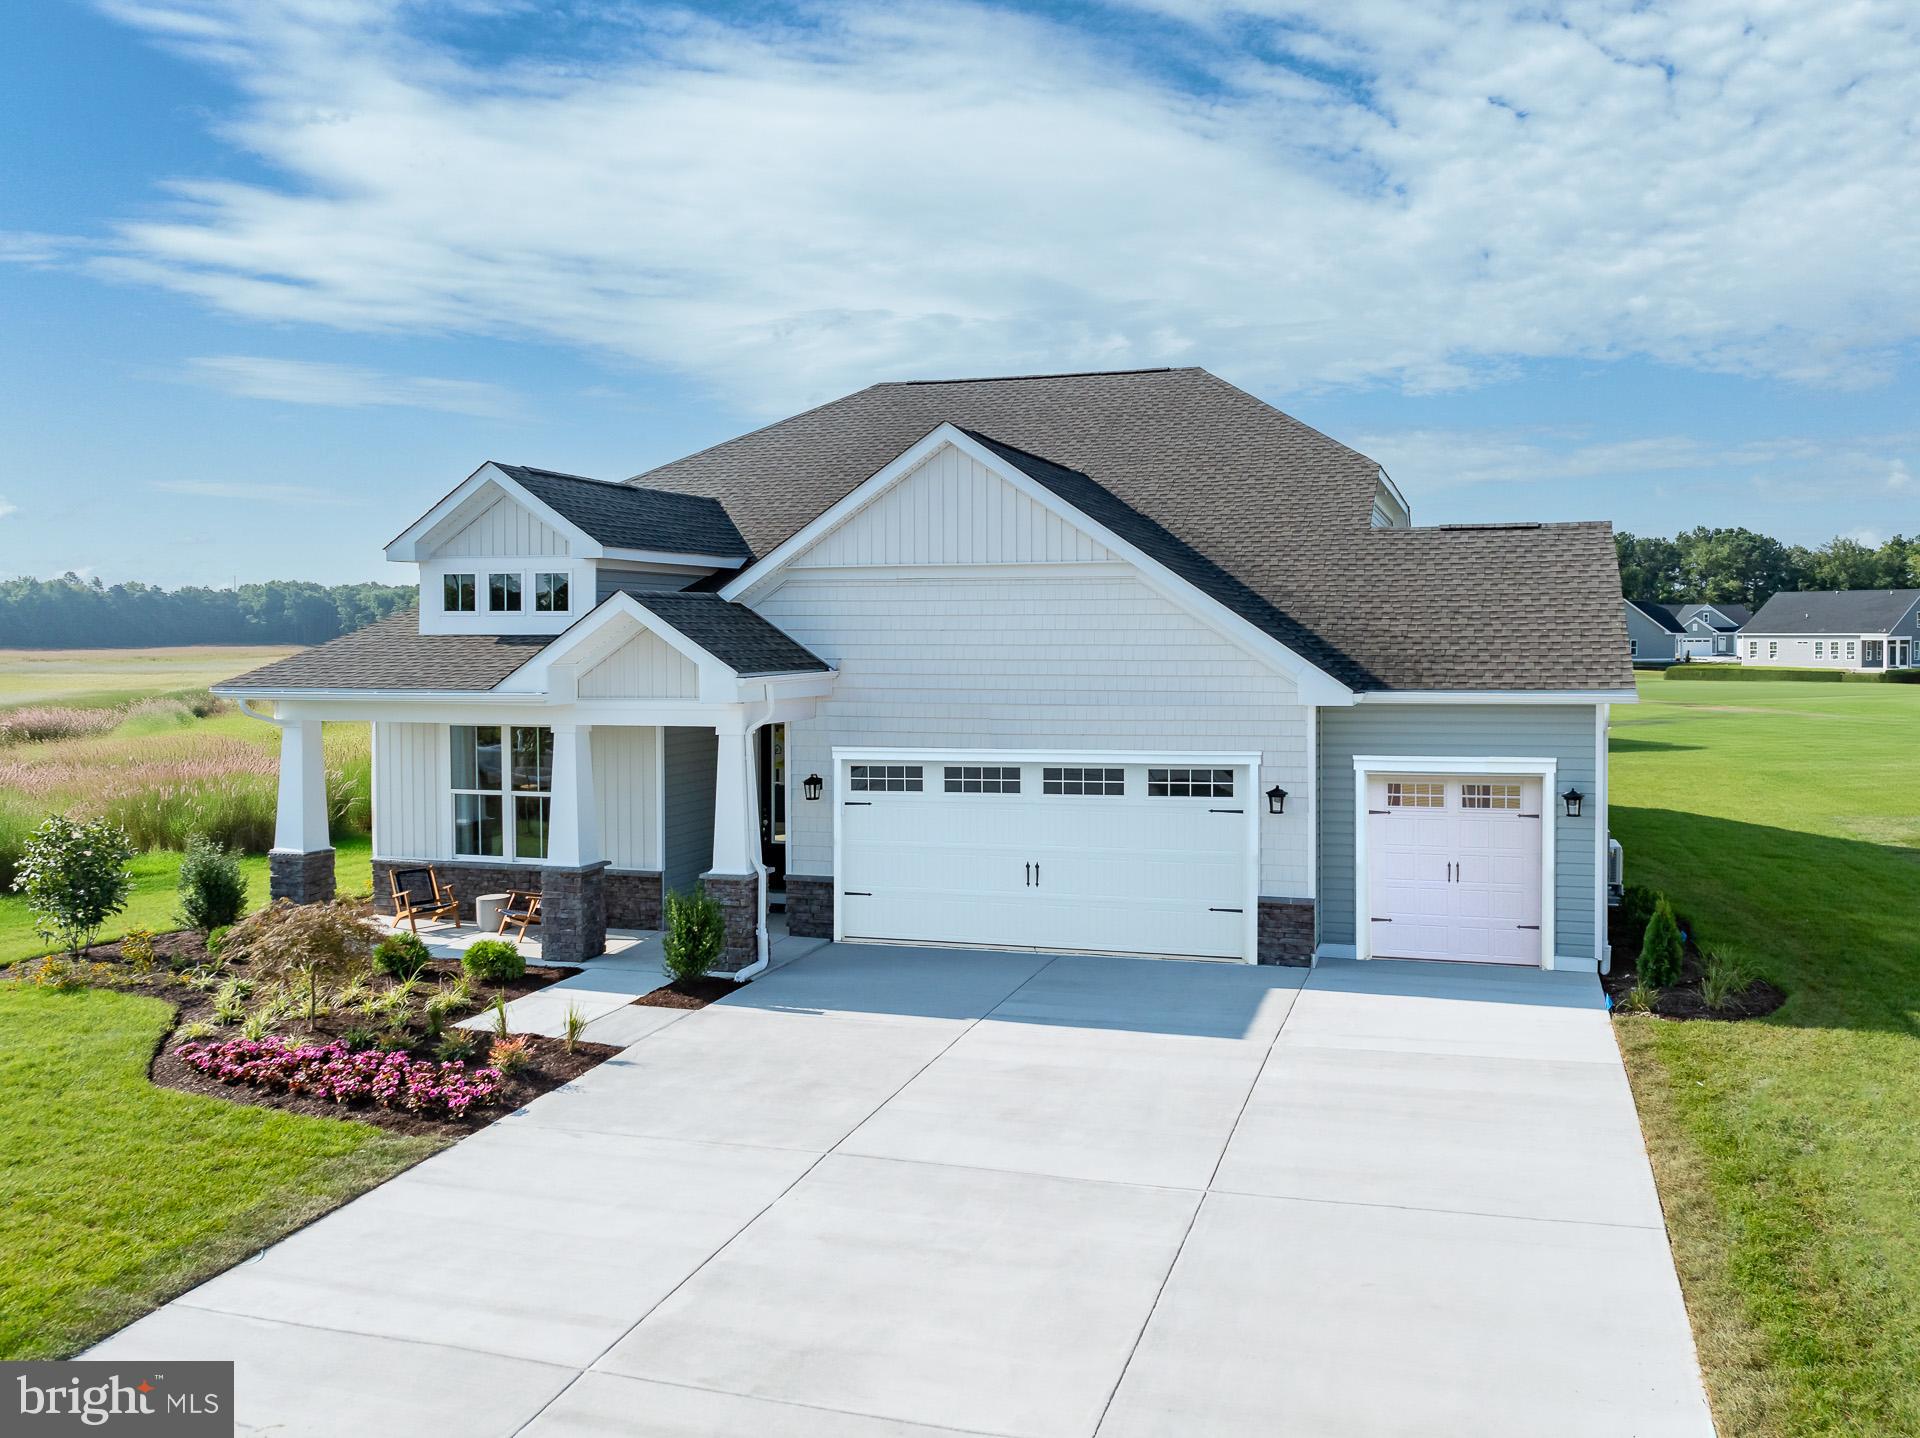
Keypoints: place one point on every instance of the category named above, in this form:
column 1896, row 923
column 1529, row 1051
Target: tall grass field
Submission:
column 134, row 736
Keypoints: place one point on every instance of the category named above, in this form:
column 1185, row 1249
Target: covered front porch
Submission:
column 619, row 764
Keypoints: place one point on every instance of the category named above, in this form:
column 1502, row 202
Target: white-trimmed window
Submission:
column 1633, row 648
column 1850, row 644
column 550, row 593
column 458, row 594
column 885, row 779
column 983, row 779
column 1189, row 783
column 1490, row 796
column 503, row 593
column 502, row 791
column 1773, row 649
column 1753, row 648
column 1819, row 649
column 1070, row 780
column 1416, row 794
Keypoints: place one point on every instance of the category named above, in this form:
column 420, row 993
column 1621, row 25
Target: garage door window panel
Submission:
column 886, row 779
column 982, row 779
column 1067, row 780
column 1189, row 783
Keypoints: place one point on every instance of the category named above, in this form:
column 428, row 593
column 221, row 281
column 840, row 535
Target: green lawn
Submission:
column 111, row 676
column 154, row 898
column 116, row 1195
column 1784, row 820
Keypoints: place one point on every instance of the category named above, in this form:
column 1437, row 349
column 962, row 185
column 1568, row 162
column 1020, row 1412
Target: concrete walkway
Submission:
column 890, row 1193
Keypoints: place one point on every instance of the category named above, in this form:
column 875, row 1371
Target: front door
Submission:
column 773, row 804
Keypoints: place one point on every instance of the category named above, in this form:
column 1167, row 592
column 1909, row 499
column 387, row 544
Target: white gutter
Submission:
column 246, row 708
column 762, row 943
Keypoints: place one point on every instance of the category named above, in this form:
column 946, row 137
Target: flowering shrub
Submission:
column 75, row 878
column 333, row 1071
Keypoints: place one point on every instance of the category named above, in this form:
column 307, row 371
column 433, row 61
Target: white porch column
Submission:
column 573, row 830
column 300, row 868
column 300, row 824
column 733, row 773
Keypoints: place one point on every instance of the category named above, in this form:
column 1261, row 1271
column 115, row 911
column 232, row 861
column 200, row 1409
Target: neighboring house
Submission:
column 1127, row 663
column 1863, row 629
column 1684, row 631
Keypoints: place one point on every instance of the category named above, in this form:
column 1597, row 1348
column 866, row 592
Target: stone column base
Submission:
column 302, row 876
column 739, row 898
column 810, row 906
column 573, row 914
column 1286, row 932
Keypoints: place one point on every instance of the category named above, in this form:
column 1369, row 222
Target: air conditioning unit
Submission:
column 1616, row 871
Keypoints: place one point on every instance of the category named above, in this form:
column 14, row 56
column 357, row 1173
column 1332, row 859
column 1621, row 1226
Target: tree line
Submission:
column 75, row 613
column 1737, row 566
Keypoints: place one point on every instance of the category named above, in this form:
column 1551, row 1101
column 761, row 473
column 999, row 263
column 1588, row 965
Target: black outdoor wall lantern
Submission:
column 813, row 784
column 1572, row 799
column 1276, row 800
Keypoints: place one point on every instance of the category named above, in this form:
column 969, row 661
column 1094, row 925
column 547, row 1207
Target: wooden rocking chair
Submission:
column 521, row 910
column 418, row 894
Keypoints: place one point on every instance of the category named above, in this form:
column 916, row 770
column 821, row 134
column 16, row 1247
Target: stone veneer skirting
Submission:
column 1286, row 932
column 573, row 913
column 305, row 877
column 810, row 906
column 739, row 898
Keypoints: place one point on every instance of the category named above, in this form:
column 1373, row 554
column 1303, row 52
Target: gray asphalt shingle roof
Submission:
column 1833, row 611
column 394, row 654
column 1252, row 494
column 737, row 636
column 629, row 516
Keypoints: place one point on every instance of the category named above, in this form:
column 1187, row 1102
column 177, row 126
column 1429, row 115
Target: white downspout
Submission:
column 246, row 708
column 763, row 945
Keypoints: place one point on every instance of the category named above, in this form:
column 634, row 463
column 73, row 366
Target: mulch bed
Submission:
column 1686, row 999
column 688, row 994
column 549, row 1066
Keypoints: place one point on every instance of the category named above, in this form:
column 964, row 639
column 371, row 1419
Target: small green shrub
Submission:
column 493, row 961
column 213, row 890
column 456, row 1046
column 75, row 877
column 258, row 1025
column 1727, row 977
column 1640, row 999
column 360, row 1037
column 1662, row 954
column 137, row 949
column 216, row 937
column 696, row 932
column 198, row 1029
column 393, row 1041
column 500, row 1029
column 1636, row 907
column 401, row 956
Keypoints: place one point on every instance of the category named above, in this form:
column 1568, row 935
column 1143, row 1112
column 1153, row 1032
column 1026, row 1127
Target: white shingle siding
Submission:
column 1035, row 661
column 645, row 667
column 506, row 527
column 952, row 510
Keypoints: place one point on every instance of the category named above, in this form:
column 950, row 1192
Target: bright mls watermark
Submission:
column 155, row 1400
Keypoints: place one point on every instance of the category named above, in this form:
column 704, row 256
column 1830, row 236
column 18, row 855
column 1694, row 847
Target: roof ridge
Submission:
column 1057, row 374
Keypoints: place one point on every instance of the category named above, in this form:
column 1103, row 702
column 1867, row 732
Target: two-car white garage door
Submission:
column 1087, row 852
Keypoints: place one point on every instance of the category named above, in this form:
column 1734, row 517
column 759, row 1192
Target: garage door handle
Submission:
column 859, row 803
column 1029, row 876
column 1036, row 876
column 1226, row 911
column 1226, row 811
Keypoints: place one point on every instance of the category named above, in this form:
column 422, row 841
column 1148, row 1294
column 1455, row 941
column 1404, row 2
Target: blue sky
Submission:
column 273, row 276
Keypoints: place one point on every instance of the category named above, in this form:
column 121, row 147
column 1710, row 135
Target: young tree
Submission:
column 306, row 947
column 75, row 878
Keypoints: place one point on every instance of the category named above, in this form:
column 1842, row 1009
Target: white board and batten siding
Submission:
column 993, row 625
column 645, row 667
column 952, row 510
column 505, row 527
column 412, row 808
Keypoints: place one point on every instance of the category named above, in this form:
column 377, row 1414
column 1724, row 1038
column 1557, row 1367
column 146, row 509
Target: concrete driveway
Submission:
column 885, row 1193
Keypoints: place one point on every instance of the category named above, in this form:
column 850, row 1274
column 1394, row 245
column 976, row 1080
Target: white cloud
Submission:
column 33, row 249
column 943, row 187
column 7, row 509
column 265, row 492
column 345, row 386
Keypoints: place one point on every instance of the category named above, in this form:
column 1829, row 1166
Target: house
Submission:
column 1121, row 662
column 1869, row 630
column 1683, row 631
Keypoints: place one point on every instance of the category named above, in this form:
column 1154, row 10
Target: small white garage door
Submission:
column 1076, row 854
column 1454, row 868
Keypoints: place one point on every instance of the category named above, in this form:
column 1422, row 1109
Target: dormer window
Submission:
column 550, row 593
column 503, row 593
column 457, row 594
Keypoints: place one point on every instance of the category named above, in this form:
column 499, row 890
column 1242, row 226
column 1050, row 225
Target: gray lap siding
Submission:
column 1565, row 734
